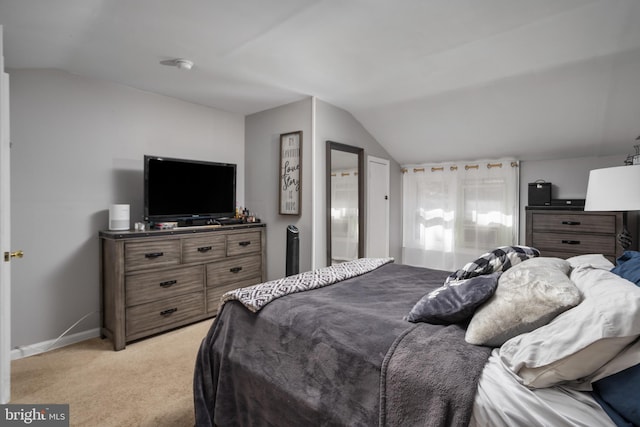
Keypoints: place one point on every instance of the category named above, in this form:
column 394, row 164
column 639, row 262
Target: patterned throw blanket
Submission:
column 257, row 296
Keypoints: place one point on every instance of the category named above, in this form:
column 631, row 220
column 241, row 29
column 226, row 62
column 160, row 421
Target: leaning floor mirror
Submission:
column 345, row 202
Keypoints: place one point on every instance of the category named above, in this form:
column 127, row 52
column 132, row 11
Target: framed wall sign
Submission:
column 290, row 173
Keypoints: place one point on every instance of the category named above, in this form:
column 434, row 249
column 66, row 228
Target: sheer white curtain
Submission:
column 456, row 211
column 344, row 214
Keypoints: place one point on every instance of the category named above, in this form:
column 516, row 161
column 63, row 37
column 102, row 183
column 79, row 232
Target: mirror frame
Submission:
column 332, row 145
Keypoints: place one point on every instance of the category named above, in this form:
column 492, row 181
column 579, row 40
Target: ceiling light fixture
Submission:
column 181, row 63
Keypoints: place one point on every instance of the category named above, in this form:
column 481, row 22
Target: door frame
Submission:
column 5, row 236
column 371, row 209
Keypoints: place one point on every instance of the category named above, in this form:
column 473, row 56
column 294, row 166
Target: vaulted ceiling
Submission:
column 431, row 80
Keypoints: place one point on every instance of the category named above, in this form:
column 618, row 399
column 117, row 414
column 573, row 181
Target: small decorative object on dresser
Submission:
column 157, row 280
column 566, row 232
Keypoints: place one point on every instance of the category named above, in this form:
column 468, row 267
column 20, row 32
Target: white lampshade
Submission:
column 614, row 189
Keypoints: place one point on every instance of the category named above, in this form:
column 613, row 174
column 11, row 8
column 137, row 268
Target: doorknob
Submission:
column 17, row 254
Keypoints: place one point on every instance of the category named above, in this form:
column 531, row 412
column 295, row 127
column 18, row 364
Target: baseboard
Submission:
column 41, row 347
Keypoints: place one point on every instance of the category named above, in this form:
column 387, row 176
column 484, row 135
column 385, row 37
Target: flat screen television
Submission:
column 190, row 192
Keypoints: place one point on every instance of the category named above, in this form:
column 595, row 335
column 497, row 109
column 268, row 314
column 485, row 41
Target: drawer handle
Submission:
column 571, row 242
column 168, row 312
column 245, row 243
column 153, row 254
column 571, row 222
column 204, row 248
column 235, row 269
column 168, row 283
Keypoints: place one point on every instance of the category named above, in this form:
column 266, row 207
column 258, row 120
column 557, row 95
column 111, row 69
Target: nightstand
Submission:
column 561, row 232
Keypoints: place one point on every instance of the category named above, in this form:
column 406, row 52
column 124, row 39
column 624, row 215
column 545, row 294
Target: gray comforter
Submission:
column 340, row 355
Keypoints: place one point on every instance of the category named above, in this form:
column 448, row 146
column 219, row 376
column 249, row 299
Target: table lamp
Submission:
column 615, row 189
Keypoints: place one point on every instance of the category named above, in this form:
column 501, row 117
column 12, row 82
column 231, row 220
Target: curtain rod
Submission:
column 514, row 164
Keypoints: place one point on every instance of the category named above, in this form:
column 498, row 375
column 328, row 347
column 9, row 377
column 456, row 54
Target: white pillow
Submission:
column 580, row 341
column 594, row 260
column 528, row 296
column 627, row 358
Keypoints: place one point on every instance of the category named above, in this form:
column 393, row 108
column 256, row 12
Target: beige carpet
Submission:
column 147, row 384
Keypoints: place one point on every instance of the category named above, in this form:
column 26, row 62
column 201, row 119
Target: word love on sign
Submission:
column 290, row 173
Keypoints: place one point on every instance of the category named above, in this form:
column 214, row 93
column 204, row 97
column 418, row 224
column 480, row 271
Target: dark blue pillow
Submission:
column 628, row 266
column 454, row 302
column 621, row 395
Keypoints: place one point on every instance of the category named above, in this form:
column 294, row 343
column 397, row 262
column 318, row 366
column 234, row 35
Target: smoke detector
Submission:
column 181, row 63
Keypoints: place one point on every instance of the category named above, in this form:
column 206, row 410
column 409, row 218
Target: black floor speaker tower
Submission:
column 293, row 250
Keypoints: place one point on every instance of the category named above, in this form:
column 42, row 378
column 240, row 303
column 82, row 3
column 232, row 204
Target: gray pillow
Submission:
column 529, row 295
column 454, row 302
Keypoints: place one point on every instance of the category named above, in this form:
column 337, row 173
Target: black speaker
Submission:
column 540, row 194
column 293, row 251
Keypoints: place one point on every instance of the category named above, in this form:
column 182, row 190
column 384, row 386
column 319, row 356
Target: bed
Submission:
column 372, row 342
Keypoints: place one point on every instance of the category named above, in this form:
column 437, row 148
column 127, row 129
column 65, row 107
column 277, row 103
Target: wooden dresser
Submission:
column 562, row 232
column 157, row 280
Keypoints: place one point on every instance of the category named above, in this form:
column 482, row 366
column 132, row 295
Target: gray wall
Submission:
column 262, row 157
column 78, row 146
column 336, row 124
column 263, row 131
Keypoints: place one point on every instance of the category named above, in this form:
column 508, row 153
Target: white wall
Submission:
column 78, row 146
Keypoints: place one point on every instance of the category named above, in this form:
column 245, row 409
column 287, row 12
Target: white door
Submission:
column 377, row 207
column 5, row 238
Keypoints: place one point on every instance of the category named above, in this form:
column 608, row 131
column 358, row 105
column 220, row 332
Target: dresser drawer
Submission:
column 146, row 255
column 243, row 243
column 147, row 287
column 234, row 270
column 203, row 249
column 214, row 293
column 578, row 223
column 164, row 313
column 574, row 243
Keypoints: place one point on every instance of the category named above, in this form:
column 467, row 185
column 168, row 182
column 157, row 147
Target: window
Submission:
column 454, row 212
